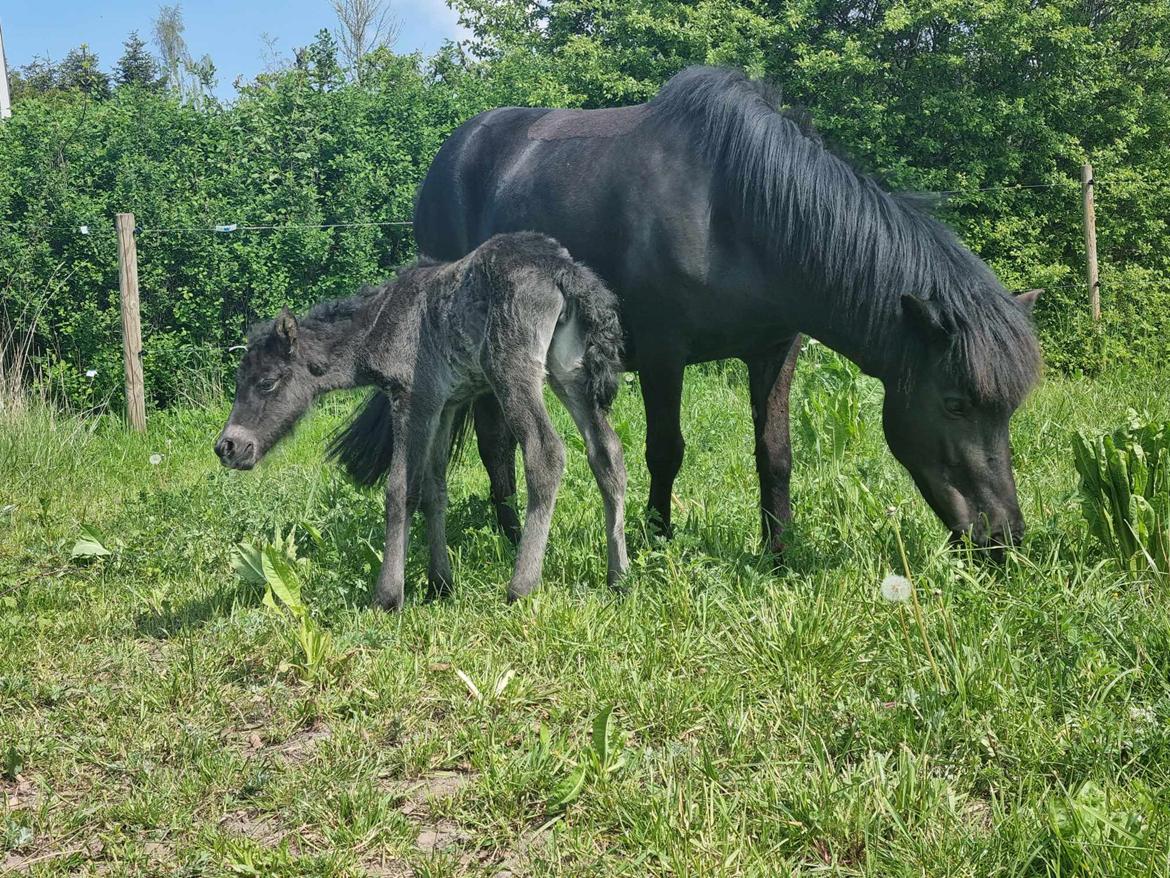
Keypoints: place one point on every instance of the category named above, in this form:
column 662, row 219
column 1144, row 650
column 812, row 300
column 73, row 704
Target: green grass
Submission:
column 154, row 718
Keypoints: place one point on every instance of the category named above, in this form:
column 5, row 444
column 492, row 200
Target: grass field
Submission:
column 719, row 718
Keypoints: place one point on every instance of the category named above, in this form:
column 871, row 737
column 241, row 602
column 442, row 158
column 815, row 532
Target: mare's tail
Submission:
column 597, row 307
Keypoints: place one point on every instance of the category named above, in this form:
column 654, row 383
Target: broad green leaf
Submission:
column 248, row 563
column 568, row 790
column 91, row 543
column 282, row 579
column 601, row 736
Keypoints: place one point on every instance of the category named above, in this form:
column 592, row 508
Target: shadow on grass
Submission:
column 168, row 620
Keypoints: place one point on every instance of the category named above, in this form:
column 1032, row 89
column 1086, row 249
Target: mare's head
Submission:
column 275, row 384
column 946, row 416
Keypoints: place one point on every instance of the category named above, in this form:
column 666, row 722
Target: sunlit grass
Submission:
column 156, row 721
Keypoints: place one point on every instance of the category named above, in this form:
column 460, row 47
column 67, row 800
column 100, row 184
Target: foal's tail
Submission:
column 597, row 307
column 365, row 445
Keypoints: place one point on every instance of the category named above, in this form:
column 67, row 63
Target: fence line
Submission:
column 128, row 254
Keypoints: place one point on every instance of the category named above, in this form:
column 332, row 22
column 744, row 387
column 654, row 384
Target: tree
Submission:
column 365, row 25
column 79, row 70
column 319, row 61
column 168, row 36
column 191, row 80
column 137, row 67
column 38, row 77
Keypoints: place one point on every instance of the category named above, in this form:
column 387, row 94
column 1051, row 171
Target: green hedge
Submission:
column 938, row 94
column 296, row 148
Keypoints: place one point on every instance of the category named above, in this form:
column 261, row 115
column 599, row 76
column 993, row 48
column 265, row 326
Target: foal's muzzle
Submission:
column 236, row 450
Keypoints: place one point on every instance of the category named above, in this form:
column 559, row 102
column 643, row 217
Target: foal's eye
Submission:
column 269, row 384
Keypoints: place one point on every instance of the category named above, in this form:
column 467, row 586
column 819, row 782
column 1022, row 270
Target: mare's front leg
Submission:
column 770, row 382
column 497, row 450
column 414, row 429
column 662, row 380
column 434, row 505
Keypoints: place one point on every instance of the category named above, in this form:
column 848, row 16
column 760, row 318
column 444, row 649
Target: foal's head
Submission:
column 275, row 384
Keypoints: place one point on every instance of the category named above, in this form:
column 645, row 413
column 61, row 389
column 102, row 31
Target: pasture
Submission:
column 716, row 718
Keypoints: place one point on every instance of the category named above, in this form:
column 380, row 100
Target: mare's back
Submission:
column 622, row 194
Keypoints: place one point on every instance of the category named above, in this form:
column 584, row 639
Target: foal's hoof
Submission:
column 519, row 592
column 389, row 603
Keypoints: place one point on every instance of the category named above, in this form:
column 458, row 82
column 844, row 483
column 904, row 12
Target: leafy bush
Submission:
column 1125, row 490
column 936, row 95
column 298, row 148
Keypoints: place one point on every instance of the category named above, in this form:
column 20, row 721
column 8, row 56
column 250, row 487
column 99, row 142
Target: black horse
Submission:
column 726, row 228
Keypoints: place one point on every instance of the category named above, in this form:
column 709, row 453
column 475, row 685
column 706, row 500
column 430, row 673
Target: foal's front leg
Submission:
column 413, row 433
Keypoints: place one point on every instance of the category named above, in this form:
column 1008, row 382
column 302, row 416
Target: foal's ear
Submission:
column 1027, row 300
column 924, row 314
column 286, row 330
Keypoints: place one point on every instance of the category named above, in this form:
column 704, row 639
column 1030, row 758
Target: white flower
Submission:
column 1142, row 715
column 896, row 589
column 155, row 459
column 91, row 373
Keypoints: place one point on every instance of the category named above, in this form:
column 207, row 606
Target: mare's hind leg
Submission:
column 518, row 382
column 434, row 505
column 497, row 450
column 770, row 381
column 608, row 465
column 662, row 381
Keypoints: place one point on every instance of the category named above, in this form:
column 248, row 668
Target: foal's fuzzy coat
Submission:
column 498, row 321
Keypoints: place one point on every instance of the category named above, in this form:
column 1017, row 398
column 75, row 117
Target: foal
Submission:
column 433, row 339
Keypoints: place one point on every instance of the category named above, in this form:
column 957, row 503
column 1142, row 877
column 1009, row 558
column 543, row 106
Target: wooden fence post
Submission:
column 131, row 323
column 1091, row 241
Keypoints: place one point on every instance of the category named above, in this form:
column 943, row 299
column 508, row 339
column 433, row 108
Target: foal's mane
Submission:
column 332, row 311
column 821, row 216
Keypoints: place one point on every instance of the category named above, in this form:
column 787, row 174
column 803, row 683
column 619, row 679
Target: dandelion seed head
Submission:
column 896, row 589
column 91, row 373
column 155, row 459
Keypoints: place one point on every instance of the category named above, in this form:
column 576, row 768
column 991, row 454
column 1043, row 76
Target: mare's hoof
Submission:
column 439, row 586
column 509, row 524
column 657, row 527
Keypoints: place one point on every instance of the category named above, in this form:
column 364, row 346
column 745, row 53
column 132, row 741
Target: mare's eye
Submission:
column 955, row 405
column 268, row 385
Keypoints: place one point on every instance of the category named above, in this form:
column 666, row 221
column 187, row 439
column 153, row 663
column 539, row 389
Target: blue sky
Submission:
column 228, row 30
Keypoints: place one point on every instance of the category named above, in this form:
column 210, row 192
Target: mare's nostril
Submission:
column 225, row 448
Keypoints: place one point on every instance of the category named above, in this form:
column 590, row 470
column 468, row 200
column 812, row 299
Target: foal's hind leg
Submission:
column 518, row 384
column 608, row 465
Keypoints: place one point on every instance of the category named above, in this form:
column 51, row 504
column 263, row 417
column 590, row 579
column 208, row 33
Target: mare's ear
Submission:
column 924, row 314
column 286, row 330
column 1027, row 300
